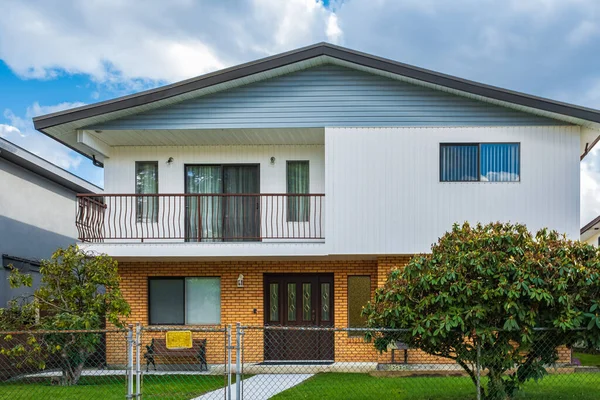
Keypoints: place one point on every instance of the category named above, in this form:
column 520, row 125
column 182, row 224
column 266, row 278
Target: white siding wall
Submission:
column 119, row 172
column 593, row 240
column 120, row 178
column 35, row 201
column 384, row 195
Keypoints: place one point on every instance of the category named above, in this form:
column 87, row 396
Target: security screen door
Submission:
column 298, row 300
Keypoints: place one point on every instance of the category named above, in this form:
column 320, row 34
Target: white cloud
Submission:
column 8, row 130
column 119, row 41
column 36, row 109
column 20, row 131
column 334, row 32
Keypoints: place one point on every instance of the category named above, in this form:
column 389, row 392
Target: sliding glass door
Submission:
column 225, row 212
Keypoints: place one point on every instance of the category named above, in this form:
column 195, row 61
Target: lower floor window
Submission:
column 359, row 294
column 179, row 301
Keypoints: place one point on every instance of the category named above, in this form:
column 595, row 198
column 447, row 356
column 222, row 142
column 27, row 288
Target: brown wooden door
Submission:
column 299, row 300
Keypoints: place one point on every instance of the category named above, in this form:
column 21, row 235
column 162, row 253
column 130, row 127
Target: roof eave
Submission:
column 320, row 49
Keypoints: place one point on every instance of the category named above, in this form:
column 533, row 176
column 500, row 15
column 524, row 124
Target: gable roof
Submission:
column 37, row 165
column 303, row 58
column 588, row 229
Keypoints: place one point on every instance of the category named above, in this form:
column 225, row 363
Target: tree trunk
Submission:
column 495, row 386
column 72, row 373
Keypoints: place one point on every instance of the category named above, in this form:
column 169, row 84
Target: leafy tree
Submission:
column 79, row 291
column 489, row 287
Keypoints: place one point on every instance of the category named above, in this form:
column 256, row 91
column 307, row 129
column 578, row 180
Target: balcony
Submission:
column 174, row 218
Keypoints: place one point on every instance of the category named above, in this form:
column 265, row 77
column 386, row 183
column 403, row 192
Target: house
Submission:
column 37, row 201
column 590, row 233
column 282, row 191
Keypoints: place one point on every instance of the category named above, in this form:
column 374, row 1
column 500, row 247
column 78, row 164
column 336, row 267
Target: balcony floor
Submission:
column 204, row 250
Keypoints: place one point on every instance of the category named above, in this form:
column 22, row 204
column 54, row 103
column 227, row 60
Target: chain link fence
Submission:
column 257, row 362
column 62, row 364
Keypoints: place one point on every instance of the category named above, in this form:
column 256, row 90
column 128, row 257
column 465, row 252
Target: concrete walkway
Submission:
column 259, row 387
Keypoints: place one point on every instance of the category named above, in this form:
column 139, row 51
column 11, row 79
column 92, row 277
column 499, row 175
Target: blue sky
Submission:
column 55, row 54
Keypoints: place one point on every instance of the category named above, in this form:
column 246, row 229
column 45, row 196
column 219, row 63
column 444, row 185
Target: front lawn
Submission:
column 590, row 360
column 363, row 386
column 176, row 387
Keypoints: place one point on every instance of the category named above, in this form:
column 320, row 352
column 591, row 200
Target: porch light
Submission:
column 240, row 281
column 170, row 161
column 272, row 160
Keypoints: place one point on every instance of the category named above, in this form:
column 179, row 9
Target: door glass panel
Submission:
column 204, row 220
column 306, row 302
column 242, row 219
column 291, row 290
column 325, row 306
column 274, row 302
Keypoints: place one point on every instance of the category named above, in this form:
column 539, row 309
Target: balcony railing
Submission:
column 200, row 217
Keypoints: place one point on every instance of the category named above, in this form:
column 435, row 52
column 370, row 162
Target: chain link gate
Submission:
column 200, row 371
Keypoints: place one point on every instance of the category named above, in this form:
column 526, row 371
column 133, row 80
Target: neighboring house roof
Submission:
column 59, row 124
column 23, row 158
column 590, row 229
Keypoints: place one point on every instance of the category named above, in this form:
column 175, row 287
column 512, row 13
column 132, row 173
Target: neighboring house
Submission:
column 283, row 191
column 37, row 202
column 590, row 233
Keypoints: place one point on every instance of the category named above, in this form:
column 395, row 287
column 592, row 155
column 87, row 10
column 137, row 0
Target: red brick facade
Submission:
column 238, row 304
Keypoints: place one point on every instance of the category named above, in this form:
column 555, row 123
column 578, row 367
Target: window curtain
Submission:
column 500, row 162
column 241, row 212
column 298, row 207
column 459, row 163
column 146, row 182
column 202, row 301
column 204, row 214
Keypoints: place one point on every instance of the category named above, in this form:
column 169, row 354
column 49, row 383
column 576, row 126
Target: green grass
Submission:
column 174, row 387
column 363, row 386
column 588, row 359
column 581, row 386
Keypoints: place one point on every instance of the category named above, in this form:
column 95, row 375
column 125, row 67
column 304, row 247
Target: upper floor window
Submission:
column 480, row 162
column 146, row 182
column 298, row 183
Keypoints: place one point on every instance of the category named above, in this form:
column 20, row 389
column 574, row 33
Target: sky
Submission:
column 58, row 54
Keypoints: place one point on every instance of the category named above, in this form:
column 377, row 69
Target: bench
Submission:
column 398, row 345
column 158, row 348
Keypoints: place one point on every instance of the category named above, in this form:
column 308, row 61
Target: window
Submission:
column 146, row 182
column 189, row 301
column 359, row 294
column 480, row 162
column 298, row 208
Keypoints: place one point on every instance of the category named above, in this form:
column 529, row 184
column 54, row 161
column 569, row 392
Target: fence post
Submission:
column 129, row 362
column 138, row 369
column 238, row 363
column 478, row 371
column 228, row 366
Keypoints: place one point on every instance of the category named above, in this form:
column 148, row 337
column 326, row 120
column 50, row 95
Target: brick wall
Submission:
column 238, row 304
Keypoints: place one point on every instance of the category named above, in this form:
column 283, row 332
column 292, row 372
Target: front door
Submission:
column 298, row 300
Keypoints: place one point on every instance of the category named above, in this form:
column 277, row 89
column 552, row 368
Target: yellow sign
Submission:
column 179, row 339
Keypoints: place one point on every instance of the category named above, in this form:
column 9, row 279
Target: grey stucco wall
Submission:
column 36, row 217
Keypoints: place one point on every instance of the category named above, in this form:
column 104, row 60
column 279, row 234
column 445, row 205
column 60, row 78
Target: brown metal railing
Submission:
column 200, row 217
